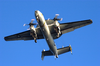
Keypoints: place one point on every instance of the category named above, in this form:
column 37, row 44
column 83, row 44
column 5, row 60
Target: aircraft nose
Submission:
column 36, row 11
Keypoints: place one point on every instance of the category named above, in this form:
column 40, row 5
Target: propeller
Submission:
column 31, row 23
column 55, row 18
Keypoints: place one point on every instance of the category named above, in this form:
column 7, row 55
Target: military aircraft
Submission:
column 48, row 29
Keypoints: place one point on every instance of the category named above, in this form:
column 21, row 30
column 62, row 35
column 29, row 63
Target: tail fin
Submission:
column 60, row 51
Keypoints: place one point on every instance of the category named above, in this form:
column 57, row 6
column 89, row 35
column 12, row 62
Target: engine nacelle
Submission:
column 56, row 24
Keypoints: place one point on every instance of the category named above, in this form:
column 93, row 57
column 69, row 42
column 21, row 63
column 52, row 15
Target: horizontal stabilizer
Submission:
column 64, row 50
column 60, row 51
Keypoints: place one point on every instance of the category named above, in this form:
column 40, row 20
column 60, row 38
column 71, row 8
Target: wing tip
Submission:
column 91, row 20
column 5, row 39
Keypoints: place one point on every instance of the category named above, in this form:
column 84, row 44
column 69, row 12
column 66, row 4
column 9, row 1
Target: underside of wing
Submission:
column 64, row 27
column 24, row 36
column 19, row 36
column 68, row 27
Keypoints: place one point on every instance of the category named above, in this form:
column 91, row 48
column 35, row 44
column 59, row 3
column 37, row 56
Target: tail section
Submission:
column 60, row 51
column 46, row 53
column 64, row 50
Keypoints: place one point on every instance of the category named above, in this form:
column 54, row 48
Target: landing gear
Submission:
column 35, row 40
column 56, row 56
column 57, row 29
column 57, row 35
column 34, row 35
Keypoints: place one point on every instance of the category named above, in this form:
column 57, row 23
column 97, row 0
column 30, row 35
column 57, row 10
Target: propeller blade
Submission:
column 55, row 18
column 56, row 15
column 32, row 20
column 28, row 29
column 25, row 24
column 61, row 19
column 36, row 23
column 48, row 19
column 30, row 24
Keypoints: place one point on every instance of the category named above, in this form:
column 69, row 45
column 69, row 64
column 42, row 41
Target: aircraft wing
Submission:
column 64, row 27
column 68, row 27
column 24, row 36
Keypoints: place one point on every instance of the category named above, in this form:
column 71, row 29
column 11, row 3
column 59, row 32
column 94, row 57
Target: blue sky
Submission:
column 85, row 41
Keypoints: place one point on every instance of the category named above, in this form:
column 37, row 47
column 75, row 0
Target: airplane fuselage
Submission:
column 46, row 32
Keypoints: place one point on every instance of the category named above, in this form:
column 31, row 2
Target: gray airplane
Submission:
column 49, row 29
